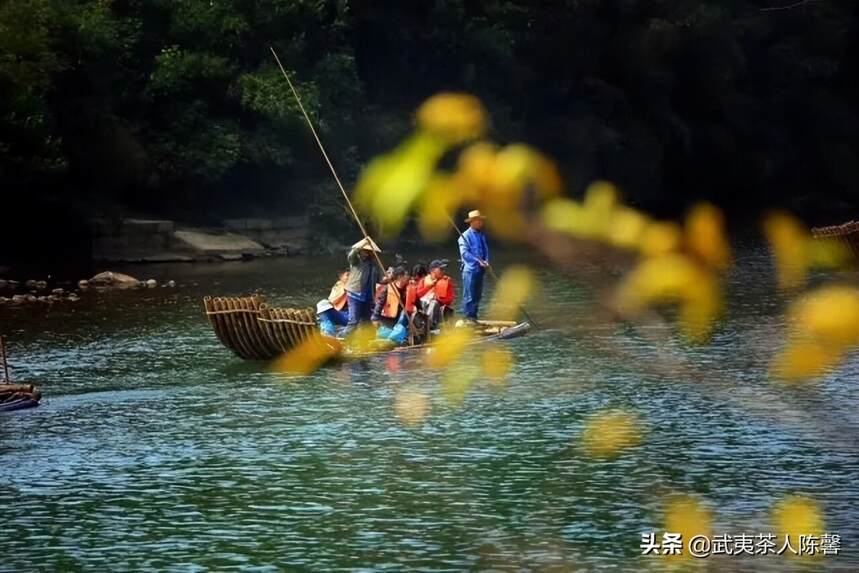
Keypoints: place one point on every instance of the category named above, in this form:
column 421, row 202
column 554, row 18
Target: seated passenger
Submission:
column 389, row 313
column 329, row 318
column 436, row 293
column 338, row 296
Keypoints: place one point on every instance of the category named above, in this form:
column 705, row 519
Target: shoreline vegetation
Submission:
column 176, row 110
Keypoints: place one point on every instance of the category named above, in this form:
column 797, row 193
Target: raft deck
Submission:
column 255, row 331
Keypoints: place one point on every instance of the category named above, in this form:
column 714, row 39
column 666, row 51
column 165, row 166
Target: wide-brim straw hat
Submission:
column 367, row 244
column 476, row 214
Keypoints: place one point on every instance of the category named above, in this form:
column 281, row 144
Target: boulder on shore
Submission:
column 110, row 279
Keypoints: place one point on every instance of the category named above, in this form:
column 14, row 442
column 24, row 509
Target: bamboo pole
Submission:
column 325, row 156
column 331, row 166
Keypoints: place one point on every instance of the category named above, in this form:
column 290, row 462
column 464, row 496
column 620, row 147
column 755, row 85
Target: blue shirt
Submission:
column 473, row 247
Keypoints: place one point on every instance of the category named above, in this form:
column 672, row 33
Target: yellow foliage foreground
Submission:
column 606, row 434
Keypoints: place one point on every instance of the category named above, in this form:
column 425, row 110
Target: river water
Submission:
column 156, row 449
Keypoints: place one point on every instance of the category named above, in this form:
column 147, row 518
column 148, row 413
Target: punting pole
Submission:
column 325, row 155
column 6, row 378
column 491, row 271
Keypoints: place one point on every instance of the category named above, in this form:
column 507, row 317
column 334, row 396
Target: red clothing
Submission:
column 442, row 290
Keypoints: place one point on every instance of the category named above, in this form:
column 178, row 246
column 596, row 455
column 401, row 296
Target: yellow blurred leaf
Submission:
column 411, row 407
column 787, row 239
column 497, row 362
column 687, row 516
column 797, row 515
column 441, row 200
column 562, row 215
column 457, row 380
column 608, row 433
column 308, row 356
column 661, row 238
column 796, row 251
column 391, row 184
column 829, row 315
column 705, row 236
column 627, row 228
column 674, row 279
column 363, row 340
column 453, row 117
column 802, row 361
column 513, row 289
column 448, row 347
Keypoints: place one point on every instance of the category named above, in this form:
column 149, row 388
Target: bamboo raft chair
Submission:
column 255, row 331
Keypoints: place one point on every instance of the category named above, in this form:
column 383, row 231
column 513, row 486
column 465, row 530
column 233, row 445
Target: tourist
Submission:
column 390, row 314
column 437, row 293
column 338, row 296
column 329, row 318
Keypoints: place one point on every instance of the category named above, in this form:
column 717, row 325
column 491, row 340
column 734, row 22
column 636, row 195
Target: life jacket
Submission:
column 391, row 309
column 337, row 296
column 442, row 290
column 411, row 296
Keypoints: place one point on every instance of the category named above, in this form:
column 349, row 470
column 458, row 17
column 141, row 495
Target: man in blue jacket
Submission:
column 474, row 254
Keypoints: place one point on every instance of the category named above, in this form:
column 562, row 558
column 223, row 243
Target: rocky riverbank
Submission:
column 39, row 291
column 164, row 241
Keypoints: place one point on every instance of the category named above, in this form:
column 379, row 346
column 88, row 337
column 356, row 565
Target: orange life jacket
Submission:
column 337, row 296
column 391, row 309
column 411, row 296
column 441, row 291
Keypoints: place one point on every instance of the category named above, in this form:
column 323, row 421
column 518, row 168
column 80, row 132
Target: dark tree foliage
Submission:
column 175, row 107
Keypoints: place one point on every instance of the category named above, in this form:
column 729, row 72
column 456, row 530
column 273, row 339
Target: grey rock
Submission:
column 83, row 284
column 31, row 284
column 41, row 285
column 109, row 279
column 151, row 283
column 57, row 291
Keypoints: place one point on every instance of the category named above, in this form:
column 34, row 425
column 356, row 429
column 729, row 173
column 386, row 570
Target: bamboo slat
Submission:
column 255, row 331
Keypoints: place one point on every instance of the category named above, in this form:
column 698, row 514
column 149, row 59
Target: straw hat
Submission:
column 363, row 244
column 472, row 215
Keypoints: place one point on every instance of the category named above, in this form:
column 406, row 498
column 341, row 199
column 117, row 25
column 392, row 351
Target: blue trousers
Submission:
column 359, row 311
column 472, row 292
column 340, row 317
column 330, row 320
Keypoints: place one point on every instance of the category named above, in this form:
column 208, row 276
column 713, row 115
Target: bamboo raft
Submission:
column 846, row 234
column 15, row 396
column 255, row 331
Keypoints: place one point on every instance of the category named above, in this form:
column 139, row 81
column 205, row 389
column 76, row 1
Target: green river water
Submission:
column 156, row 449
